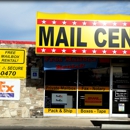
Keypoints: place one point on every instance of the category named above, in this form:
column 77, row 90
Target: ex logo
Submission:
column 5, row 88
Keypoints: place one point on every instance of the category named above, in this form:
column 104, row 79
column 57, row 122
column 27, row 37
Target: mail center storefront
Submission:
column 102, row 88
column 86, row 63
column 80, row 91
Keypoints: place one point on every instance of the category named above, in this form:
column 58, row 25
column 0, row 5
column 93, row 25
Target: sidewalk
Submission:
column 54, row 121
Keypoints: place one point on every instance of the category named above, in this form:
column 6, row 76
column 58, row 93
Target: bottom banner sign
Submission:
column 60, row 110
column 73, row 111
column 9, row 89
column 93, row 111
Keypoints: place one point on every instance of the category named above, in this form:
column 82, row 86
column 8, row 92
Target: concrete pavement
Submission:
column 54, row 122
column 47, row 122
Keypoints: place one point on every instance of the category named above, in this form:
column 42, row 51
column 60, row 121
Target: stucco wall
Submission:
column 31, row 101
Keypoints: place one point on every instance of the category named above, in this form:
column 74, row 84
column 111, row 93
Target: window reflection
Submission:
column 100, row 77
column 95, row 77
column 121, row 77
column 66, row 77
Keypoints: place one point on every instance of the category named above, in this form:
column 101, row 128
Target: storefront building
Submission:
column 86, row 64
column 78, row 66
column 90, row 92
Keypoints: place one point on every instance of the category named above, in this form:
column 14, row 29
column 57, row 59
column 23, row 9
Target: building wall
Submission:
column 31, row 101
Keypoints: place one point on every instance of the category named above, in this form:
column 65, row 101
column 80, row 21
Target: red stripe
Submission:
column 80, row 52
column 80, row 22
column 16, row 42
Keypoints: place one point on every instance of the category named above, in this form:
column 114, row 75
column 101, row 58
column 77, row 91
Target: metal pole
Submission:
column 44, row 91
column 77, row 92
column 110, row 90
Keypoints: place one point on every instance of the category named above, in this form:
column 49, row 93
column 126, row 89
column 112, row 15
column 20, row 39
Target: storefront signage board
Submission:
column 82, row 34
column 72, row 111
column 13, row 63
column 80, row 88
column 69, row 63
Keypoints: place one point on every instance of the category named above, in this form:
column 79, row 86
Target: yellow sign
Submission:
column 13, row 63
column 94, row 88
column 80, row 88
column 93, row 100
column 61, row 88
column 73, row 111
column 88, row 34
column 60, row 110
column 93, row 111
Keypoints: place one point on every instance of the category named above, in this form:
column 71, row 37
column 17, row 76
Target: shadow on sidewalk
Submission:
column 100, row 122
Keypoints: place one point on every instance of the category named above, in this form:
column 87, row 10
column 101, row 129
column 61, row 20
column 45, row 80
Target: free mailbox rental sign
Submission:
column 13, row 63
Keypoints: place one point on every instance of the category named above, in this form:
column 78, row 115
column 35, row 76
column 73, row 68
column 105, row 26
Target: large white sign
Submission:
column 9, row 89
column 59, row 98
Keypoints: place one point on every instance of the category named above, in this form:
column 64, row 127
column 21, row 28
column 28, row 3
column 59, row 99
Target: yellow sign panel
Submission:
column 60, row 110
column 13, row 63
column 80, row 88
column 94, row 88
column 89, row 34
column 61, row 88
column 73, row 111
column 93, row 100
column 93, row 111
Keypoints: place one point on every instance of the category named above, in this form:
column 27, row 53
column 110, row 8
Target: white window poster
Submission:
column 121, row 107
column 9, row 89
column 59, row 98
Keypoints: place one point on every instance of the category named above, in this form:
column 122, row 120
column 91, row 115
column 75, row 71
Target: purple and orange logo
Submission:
column 6, row 90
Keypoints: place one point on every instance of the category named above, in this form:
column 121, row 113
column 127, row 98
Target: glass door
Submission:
column 120, row 90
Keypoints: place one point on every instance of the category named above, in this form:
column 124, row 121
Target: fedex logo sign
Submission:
column 6, row 88
column 9, row 89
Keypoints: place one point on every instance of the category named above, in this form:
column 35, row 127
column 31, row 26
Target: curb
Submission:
column 115, row 126
column 47, row 127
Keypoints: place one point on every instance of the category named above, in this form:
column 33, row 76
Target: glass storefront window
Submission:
column 60, row 95
column 65, row 78
column 99, row 76
column 121, row 77
column 94, row 100
column 94, row 88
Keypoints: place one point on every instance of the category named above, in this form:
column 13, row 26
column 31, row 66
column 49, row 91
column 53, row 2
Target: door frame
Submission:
column 111, row 89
